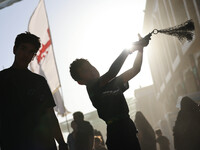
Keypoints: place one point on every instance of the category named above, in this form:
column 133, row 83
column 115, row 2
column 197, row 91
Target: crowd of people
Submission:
column 83, row 136
column 28, row 121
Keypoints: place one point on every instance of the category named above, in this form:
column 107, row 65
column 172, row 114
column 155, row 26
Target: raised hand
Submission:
column 142, row 42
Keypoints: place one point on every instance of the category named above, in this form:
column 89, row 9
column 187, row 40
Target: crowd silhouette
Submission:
column 146, row 134
column 83, row 136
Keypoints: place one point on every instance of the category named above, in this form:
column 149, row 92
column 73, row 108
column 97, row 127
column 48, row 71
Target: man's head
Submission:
column 25, row 48
column 78, row 116
column 158, row 132
column 82, row 71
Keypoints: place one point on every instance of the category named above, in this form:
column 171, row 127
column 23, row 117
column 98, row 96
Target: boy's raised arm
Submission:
column 132, row 72
column 117, row 64
column 129, row 74
column 114, row 68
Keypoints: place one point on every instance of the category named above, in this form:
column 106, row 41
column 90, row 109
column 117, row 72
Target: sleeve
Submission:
column 46, row 95
column 90, row 129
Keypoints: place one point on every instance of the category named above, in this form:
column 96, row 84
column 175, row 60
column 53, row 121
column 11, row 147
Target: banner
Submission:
column 44, row 62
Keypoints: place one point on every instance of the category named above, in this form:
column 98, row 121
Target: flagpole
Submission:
column 56, row 63
column 52, row 44
column 53, row 51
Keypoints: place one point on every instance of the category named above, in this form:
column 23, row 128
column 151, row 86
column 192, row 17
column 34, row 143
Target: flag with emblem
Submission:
column 44, row 62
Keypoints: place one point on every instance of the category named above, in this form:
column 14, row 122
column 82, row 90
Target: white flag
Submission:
column 44, row 62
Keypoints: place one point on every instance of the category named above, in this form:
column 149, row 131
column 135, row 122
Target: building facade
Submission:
column 175, row 66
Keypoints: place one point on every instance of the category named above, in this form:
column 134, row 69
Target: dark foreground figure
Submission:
column 27, row 118
column 146, row 134
column 186, row 129
column 106, row 95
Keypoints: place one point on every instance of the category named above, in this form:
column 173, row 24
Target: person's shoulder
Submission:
column 5, row 72
column 88, row 124
column 35, row 75
column 164, row 137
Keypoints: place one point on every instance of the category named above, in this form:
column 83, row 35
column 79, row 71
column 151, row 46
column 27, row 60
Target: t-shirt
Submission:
column 24, row 100
column 84, row 134
column 109, row 99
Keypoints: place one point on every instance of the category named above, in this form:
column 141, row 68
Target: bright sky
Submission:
column 97, row 30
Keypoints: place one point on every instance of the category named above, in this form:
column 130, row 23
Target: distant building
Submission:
column 175, row 66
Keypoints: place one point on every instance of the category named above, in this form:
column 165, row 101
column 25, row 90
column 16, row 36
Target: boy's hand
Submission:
column 141, row 43
column 144, row 41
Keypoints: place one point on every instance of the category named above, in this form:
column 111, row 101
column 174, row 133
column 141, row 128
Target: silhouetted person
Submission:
column 27, row 118
column 146, row 134
column 98, row 143
column 162, row 140
column 186, row 129
column 106, row 95
column 72, row 136
column 85, row 133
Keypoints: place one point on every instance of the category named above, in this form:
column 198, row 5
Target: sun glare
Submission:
column 109, row 33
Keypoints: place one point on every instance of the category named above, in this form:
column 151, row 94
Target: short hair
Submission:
column 27, row 37
column 78, row 115
column 74, row 66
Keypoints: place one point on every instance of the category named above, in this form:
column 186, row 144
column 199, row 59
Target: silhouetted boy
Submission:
column 106, row 95
column 27, row 118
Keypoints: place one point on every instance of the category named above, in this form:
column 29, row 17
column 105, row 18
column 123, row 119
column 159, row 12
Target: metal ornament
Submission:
column 184, row 32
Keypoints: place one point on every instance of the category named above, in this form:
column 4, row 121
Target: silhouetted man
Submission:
column 27, row 118
column 84, row 134
column 162, row 140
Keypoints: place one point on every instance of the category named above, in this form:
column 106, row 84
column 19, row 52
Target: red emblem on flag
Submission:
column 43, row 51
